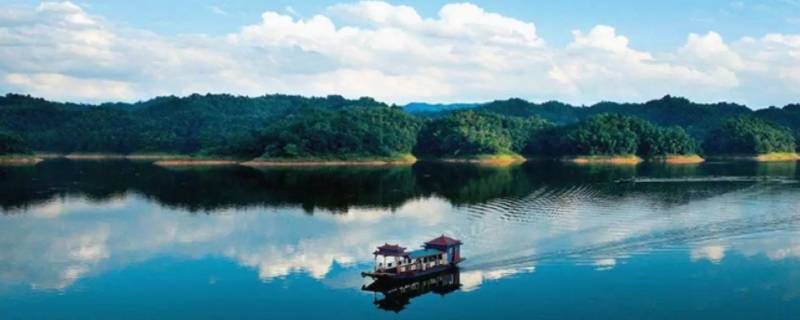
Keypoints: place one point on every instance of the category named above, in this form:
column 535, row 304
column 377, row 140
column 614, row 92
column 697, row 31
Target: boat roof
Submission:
column 443, row 241
column 390, row 250
column 423, row 253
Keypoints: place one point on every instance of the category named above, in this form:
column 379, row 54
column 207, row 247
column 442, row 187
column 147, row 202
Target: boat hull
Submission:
column 411, row 275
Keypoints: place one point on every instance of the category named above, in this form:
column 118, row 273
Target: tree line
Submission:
column 335, row 128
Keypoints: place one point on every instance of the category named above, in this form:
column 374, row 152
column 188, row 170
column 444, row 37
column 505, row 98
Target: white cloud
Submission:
column 713, row 253
column 711, row 49
column 59, row 85
column 391, row 52
column 291, row 10
column 217, row 10
column 605, row 264
column 379, row 13
column 67, row 11
column 606, row 38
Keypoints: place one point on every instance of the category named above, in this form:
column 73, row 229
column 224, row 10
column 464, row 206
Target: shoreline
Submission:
column 777, row 157
column 678, row 159
column 614, row 160
column 172, row 160
column 404, row 159
column 18, row 160
column 158, row 159
column 497, row 160
column 134, row 156
column 766, row 157
column 321, row 163
column 195, row 162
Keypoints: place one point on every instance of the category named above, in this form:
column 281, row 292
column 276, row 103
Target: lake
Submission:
column 119, row 239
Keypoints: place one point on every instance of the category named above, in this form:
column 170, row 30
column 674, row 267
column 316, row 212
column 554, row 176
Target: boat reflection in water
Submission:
column 397, row 294
column 402, row 275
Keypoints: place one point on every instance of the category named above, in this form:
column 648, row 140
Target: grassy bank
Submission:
column 163, row 159
column 180, row 160
column 777, row 156
column 766, row 157
column 175, row 160
column 19, row 159
column 610, row 159
column 678, row 159
column 117, row 156
column 195, row 162
column 488, row 159
column 403, row 159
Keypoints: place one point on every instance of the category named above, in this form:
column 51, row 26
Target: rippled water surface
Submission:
column 90, row 239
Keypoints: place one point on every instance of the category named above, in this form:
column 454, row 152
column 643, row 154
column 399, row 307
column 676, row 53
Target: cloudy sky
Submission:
column 403, row 51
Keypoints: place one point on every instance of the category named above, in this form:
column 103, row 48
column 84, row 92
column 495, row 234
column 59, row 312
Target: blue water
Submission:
column 716, row 241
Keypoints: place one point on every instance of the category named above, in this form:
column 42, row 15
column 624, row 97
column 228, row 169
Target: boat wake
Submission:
column 766, row 179
column 639, row 244
column 581, row 225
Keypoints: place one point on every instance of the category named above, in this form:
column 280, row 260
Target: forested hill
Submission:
column 697, row 118
column 213, row 124
column 283, row 126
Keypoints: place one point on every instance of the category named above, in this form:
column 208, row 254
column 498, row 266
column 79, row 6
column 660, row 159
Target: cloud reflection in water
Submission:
column 54, row 244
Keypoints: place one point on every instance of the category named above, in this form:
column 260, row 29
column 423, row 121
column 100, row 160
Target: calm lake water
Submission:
column 84, row 240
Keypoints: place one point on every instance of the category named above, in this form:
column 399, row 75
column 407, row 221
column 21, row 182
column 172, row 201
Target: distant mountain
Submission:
column 421, row 107
column 695, row 117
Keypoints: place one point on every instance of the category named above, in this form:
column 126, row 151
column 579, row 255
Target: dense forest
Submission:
column 12, row 144
column 294, row 127
column 608, row 134
column 352, row 133
column 695, row 118
column 197, row 124
column 747, row 135
column 469, row 133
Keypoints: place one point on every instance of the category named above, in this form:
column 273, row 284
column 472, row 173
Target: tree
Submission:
column 216, row 124
column 524, row 131
column 464, row 134
column 342, row 134
column 609, row 134
column 11, row 144
column 748, row 135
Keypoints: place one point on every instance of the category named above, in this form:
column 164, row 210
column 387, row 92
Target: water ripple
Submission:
column 589, row 225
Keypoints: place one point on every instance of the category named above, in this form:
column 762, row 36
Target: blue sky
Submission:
column 650, row 24
column 743, row 51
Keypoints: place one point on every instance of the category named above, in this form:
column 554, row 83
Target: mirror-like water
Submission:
column 126, row 239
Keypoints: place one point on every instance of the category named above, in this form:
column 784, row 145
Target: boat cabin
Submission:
column 435, row 255
column 450, row 246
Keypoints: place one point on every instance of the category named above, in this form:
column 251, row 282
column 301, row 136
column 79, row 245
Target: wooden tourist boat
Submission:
column 393, row 262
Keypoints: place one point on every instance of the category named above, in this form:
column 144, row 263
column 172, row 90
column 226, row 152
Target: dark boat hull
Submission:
column 411, row 275
column 397, row 294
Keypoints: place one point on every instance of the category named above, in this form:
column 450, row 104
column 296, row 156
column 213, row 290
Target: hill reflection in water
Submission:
column 66, row 223
column 337, row 189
